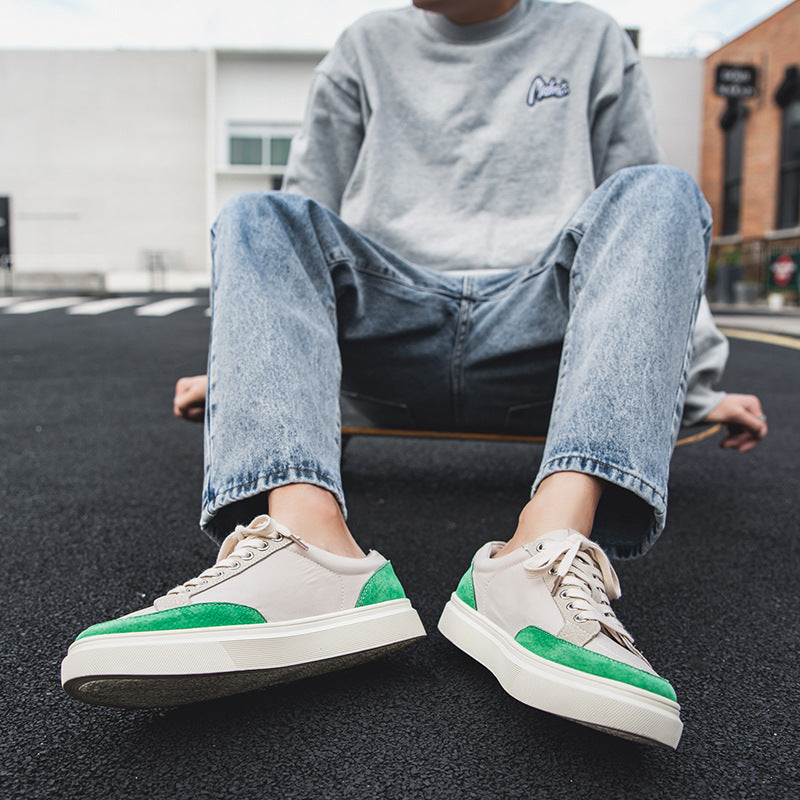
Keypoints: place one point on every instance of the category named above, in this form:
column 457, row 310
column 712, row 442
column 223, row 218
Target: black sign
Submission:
column 736, row 81
column 5, row 229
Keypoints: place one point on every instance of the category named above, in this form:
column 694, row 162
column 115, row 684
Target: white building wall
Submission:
column 103, row 156
column 256, row 87
column 677, row 88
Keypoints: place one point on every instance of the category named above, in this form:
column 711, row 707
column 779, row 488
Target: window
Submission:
column 279, row 150
column 260, row 144
column 732, row 122
column 246, row 150
column 788, row 97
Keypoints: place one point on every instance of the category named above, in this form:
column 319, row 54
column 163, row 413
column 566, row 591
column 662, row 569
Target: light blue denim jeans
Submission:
column 595, row 339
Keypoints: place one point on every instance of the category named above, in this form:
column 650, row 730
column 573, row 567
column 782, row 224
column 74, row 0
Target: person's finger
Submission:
column 752, row 404
column 742, row 439
column 189, row 393
column 193, row 384
column 736, row 442
column 751, row 418
column 753, row 407
column 182, row 385
column 186, row 403
column 195, row 413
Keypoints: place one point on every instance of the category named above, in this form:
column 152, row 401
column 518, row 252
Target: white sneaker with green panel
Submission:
column 540, row 620
column 272, row 609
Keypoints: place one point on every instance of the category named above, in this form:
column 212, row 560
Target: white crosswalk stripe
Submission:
column 104, row 306
column 162, row 308
column 50, row 304
column 143, row 305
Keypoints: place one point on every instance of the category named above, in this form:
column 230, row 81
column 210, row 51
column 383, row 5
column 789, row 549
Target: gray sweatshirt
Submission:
column 469, row 147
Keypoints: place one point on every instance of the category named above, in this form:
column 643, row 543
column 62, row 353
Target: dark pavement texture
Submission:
column 99, row 498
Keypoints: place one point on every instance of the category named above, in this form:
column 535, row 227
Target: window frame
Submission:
column 732, row 171
column 788, row 207
column 272, row 135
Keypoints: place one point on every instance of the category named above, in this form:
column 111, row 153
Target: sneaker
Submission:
column 272, row 609
column 540, row 620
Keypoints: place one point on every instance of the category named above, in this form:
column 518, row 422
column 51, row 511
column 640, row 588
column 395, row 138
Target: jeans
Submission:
column 592, row 342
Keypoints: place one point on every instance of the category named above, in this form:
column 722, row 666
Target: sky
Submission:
column 676, row 27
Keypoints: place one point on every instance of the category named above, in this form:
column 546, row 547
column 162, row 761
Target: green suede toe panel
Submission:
column 199, row 615
column 466, row 589
column 570, row 655
column 382, row 586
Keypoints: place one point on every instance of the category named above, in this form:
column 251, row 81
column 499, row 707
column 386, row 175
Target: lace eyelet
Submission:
column 570, row 607
column 563, row 593
column 551, row 571
column 236, row 565
column 279, row 538
column 578, row 618
column 262, row 546
column 539, row 547
column 248, row 556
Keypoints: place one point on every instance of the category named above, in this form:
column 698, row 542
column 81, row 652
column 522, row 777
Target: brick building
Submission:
column 750, row 163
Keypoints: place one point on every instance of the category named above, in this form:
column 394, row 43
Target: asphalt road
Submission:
column 99, row 497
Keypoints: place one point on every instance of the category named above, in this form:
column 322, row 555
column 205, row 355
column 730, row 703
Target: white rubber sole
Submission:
column 612, row 706
column 165, row 668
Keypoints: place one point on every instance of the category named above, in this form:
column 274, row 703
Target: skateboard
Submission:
column 356, row 423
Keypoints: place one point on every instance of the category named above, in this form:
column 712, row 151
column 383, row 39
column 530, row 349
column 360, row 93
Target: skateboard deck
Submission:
column 355, row 423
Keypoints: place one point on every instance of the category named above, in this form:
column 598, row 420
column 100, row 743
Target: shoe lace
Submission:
column 239, row 546
column 583, row 575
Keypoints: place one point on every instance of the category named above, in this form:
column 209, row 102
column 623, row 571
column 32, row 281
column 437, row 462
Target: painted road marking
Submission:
column 35, row 306
column 10, row 301
column 764, row 338
column 783, row 324
column 162, row 308
column 104, row 306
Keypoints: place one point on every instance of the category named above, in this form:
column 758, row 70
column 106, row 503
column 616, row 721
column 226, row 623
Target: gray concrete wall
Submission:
column 103, row 155
column 677, row 88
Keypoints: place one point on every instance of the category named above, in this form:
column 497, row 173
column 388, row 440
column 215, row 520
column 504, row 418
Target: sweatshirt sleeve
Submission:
column 709, row 356
column 324, row 152
column 621, row 110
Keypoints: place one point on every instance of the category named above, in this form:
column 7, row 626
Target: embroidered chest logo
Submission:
column 541, row 89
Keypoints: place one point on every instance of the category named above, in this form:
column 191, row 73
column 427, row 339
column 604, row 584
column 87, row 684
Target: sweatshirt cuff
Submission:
column 702, row 402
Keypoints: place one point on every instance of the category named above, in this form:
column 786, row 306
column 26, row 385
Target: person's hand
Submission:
column 190, row 398
column 747, row 424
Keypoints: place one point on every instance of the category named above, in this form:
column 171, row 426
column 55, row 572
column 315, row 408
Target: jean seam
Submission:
column 563, row 366
column 457, row 360
column 268, row 475
column 683, row 383
column 392, row 279
column 613, row 467
column 513, row 287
